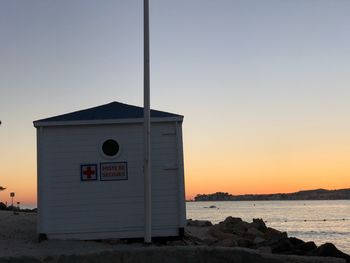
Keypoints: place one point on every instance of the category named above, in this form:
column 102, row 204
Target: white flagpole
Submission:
column 147, row 128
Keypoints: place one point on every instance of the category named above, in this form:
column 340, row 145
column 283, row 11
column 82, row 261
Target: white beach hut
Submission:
column 90, row 174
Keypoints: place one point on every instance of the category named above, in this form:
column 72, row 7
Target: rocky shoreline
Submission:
column 234, row 232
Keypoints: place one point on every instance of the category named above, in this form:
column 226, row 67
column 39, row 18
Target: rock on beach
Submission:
column 234, row 232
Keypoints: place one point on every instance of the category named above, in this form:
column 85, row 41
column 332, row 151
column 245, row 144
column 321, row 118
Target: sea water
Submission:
column 318, row 221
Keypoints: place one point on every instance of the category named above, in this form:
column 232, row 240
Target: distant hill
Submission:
column 318, row 194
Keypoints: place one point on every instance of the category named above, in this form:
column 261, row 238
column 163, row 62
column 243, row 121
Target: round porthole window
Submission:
column 110, row 148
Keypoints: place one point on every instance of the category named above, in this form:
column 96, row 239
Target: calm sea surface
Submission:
column 318, row 221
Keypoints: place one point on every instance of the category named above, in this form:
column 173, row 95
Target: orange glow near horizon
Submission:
column 233, row 166
column 256, row 167
column 264, row 166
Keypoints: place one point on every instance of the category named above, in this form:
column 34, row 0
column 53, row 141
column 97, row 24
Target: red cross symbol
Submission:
column 88, row 172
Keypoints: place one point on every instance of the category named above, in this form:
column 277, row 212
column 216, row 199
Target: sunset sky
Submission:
column 264, row 85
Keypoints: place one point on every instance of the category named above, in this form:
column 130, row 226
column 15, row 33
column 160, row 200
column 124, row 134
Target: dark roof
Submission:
column 113, row 110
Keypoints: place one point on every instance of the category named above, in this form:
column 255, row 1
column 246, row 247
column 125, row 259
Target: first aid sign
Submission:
column 88, row 172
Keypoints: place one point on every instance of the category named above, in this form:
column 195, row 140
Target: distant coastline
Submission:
column 317, row 194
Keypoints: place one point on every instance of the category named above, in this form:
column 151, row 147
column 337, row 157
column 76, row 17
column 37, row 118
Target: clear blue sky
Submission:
column 253, row 78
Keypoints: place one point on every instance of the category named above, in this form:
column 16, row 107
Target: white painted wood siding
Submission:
column 71, row 208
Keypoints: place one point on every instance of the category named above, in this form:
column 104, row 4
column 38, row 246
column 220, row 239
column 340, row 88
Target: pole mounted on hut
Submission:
column 147, row 127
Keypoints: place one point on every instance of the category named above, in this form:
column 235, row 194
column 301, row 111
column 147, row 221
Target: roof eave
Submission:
column 107, row 121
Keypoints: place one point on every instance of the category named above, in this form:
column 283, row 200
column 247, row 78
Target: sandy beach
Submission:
column 18, row 238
